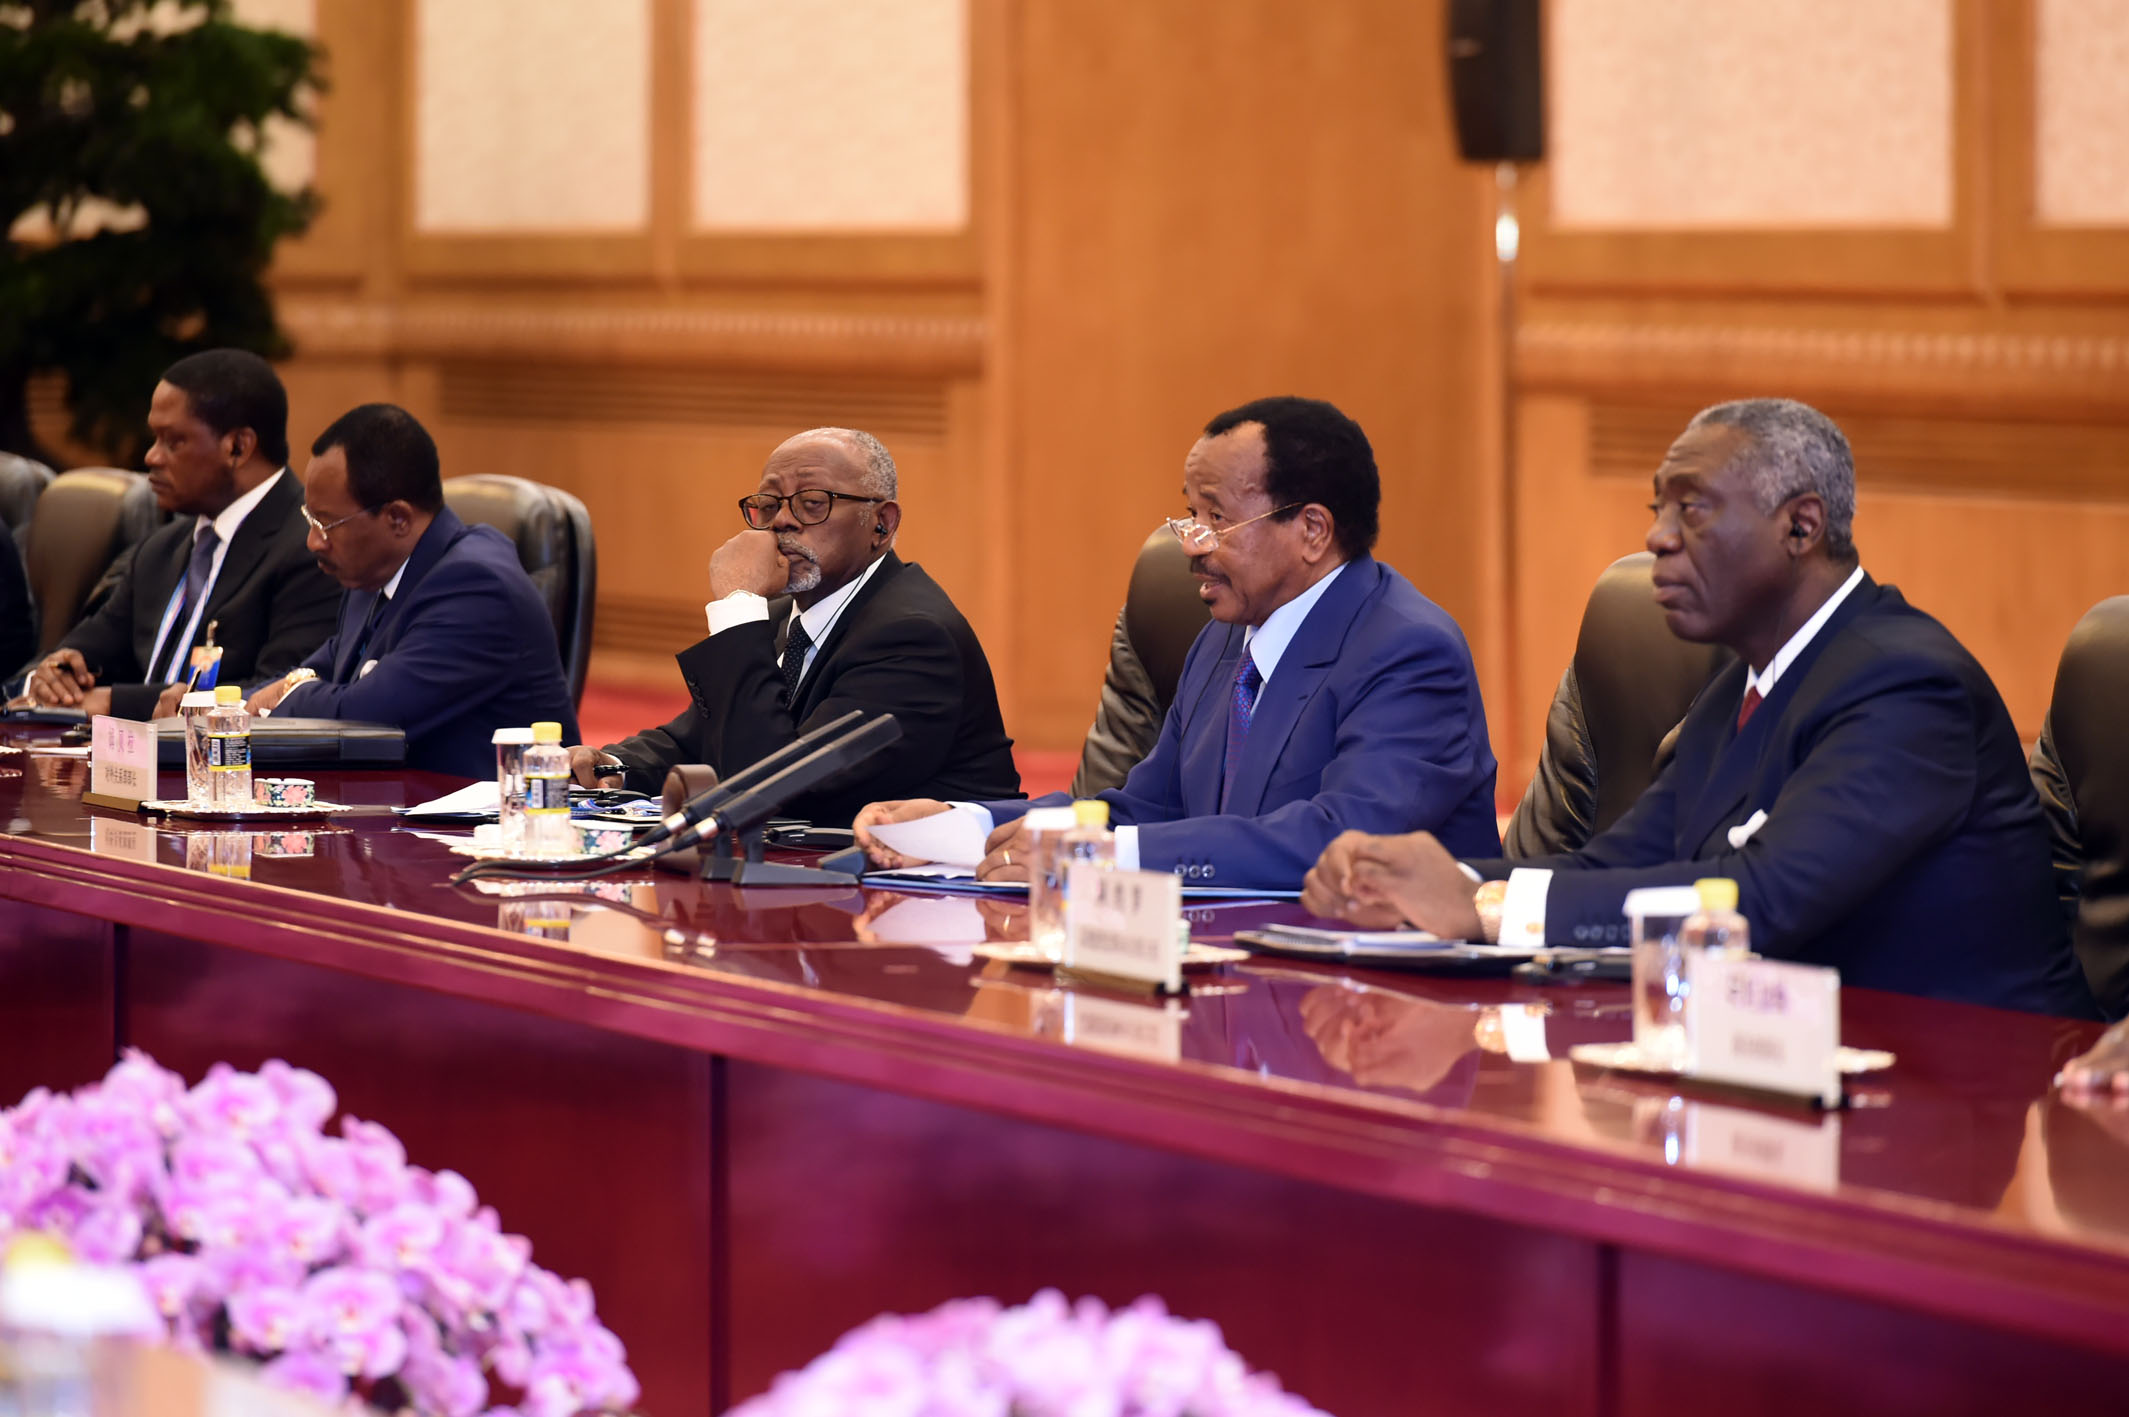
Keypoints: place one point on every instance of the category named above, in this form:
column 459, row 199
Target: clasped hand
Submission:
column 1381, row 882
column 63, row 679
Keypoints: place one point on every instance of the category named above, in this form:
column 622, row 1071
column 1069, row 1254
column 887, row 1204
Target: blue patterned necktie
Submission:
column 195, row 586
column 1240, row 709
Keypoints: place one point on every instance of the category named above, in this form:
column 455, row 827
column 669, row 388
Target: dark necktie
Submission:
column 362, row 641
column 795, row 648
column 1240, row 710
column 195, row 586
column 1744, row 712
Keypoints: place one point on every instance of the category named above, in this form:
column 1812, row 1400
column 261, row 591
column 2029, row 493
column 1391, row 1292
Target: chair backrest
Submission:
column 552, row 532
column 1629, row 684
column 22, row 482
column 2082, row 771
column 1162, row 616
column 1162, row 612
column 85, row 521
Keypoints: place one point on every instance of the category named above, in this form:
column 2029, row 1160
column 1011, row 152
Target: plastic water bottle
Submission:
column 1089, row 840
column 1047, row 828
column 192, row 711
column 549, row 833
column 510, row 747
column 1717, row 925
column 229, row 748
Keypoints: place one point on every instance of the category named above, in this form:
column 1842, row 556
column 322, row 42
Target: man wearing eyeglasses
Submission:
column 441, row 632
column 812, row 614
column 231, row 561
column 1326, row 692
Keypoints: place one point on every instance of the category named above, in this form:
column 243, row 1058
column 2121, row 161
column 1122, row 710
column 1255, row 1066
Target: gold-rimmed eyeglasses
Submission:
column 325, row 529
column 1201, row 540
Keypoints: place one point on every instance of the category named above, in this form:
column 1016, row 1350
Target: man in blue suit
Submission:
column 441, row 632
column 1326, row 695
column 1855, row 772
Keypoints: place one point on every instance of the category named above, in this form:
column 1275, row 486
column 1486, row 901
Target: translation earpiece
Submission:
column 1796, row 532
column 879, row 528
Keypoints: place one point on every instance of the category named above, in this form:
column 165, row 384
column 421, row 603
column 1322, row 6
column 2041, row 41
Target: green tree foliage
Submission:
column 156, row 110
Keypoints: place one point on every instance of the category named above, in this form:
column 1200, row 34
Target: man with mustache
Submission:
column 232, row 556
column 811, row 615
column 441, row 633
column 1326, row 695
column 1855, row 772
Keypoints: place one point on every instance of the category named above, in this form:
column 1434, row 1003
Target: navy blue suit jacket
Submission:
column 1372, row 722
column 463, row 648
column 1903, row 842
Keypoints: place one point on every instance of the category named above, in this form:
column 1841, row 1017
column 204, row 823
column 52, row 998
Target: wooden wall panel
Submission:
column 1217, row 202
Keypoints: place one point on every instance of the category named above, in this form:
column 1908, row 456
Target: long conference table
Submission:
column 754, row 1118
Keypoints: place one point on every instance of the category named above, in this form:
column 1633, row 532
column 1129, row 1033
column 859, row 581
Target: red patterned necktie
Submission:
column 1744, row 714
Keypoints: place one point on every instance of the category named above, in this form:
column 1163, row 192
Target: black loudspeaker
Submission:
column 1496, row 79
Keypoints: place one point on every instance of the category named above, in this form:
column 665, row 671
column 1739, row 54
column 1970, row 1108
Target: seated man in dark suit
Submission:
column 812, row 615
column 1326, row 695
column 232, row 559
column 1856, row 773
column 441, row 633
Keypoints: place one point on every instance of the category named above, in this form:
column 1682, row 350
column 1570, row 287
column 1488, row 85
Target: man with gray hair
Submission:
column 1855, row 773
column 811, row 615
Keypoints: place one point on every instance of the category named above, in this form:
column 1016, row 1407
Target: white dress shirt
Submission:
column 744, row 607
column 225, row 524
column 1523, row 907
column 1266, row 644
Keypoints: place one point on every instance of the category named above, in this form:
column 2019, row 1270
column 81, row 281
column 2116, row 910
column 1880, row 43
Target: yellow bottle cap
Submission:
column 549, row 732
column 1717, row 893
column 228, row 694
column 1091, row 813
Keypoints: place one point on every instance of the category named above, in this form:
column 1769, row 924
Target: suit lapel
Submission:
column 1737, row 755
column 1300, row 674
column 354, row 614
column 254, row 538
column 1203, row 709
column 853, row 614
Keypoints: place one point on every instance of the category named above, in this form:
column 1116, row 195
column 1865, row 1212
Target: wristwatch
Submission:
column 1488, row 900
column 299, row 675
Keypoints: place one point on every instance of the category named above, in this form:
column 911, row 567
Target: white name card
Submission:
column 1144, row 1030
column 1122, row 925
column 121, row 760
column 1762, row 1023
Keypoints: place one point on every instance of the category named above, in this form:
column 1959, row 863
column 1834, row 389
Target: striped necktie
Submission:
column 180, row 644
column 1242, row 707
column 794, row 666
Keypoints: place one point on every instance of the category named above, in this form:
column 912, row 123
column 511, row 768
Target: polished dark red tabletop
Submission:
column 1957, row 1184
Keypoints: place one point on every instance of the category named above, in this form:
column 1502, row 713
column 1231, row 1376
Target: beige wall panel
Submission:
column 831, row 115
column 290, row 152
column 2081, row 158
column 1681, row 114
column 532, row 115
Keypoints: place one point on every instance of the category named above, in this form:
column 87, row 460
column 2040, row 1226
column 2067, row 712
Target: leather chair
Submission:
column 22, row 482
column 1609, row 729
column 1161, row 618
column 2081, row 768
column 86, row 520
column 552, row 532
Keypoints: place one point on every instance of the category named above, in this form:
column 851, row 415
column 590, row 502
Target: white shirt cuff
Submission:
column 1127, row 848
column 741, row 607
column 1523, row 908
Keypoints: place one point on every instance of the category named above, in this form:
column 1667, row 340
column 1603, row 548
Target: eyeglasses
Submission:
column 325, row 529
column 808, row 508
column 1201, row 540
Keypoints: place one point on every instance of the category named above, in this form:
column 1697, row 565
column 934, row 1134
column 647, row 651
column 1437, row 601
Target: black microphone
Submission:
column 751, row 806
column 711, row 798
